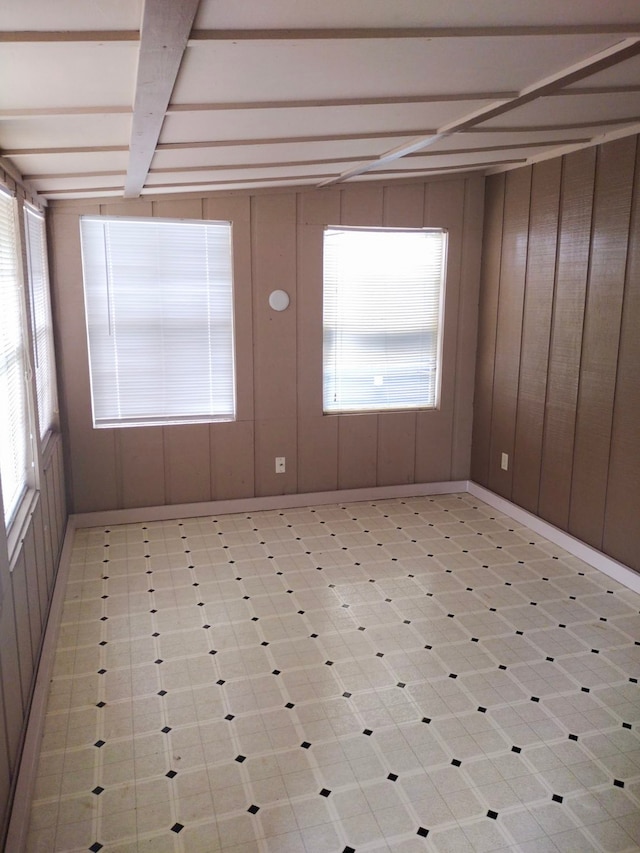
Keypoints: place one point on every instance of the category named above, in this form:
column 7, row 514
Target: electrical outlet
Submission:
column 504, row 462
column 280, row 465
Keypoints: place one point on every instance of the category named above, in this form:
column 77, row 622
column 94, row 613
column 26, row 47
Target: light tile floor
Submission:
column 405, row 675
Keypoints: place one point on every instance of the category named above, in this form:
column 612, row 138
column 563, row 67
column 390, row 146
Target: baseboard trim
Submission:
column 273, row 502
column 610, row 567
column 28, row 770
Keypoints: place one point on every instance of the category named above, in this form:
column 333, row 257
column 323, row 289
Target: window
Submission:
column 41, row 325
column 16, row 452
column 159, row 310
column 383, row 299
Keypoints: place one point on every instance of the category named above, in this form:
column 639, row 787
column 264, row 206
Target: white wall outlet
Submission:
column 504, row 462
column 280, row 465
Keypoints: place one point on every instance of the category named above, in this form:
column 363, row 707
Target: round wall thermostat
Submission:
column 279, row 300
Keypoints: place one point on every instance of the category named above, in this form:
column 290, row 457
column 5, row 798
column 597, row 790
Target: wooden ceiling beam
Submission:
column 163, row 38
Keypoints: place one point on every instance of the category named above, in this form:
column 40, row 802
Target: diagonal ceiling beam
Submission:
column 166, row 25
column 547, row 86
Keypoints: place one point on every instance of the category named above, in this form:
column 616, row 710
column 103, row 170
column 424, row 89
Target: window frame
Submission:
column 435, row 319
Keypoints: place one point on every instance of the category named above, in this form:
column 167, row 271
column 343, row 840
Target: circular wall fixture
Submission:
column 279, row 300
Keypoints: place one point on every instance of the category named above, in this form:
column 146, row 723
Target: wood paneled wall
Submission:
column 27, row 579
column 277, row 245
column 558, row 363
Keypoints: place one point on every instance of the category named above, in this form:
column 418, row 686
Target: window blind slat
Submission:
column 159, row 309
column 383, row 294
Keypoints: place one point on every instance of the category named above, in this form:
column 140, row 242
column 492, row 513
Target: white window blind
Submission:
column 41, row 324
column 383, row 298
column 15, row 433
column 159, row 309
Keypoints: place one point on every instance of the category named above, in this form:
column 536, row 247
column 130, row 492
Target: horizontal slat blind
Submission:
column 15, row 455
column 383, row 295
column 41, row 319
column 159, row 306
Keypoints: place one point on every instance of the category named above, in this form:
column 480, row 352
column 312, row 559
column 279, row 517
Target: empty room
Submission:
column 319, row 444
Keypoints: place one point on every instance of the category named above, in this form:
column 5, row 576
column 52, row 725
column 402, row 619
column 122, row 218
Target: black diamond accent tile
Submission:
column 367, row 732
column 95, row 847
column 290, row 705
column 166, row 730
column 159, row 660
column 206, row 626
column 456, row 762
column 618, row 783
column 573, row 737
column 275, row 672
column 313, row 636
column 535, row 699
column 328, row 663
column 551, row 660
column 502, row 666
column 379, row 654
column 99, row 743
column 475, row 640
column 588, row 689
column 493, row 815
column 220, row 681
column 516, row 749
column 253, row 809
column 230, row 717
column 97, row 791
column 305, row 744
column 264, row 643
column 626, row 725
column 422, row 832
column 213, row 652
column 171, row 774
column 155, row 634
column 482, row 710
column 177, row 827
column 401, row 684
column 452, row 675
column 325, row 792
column 392, row 777
column 162, row 692
column 426, row 720
column 557, row 798
column 349, row 850
column 102, row 704
column 428, row 647
column 240, row 758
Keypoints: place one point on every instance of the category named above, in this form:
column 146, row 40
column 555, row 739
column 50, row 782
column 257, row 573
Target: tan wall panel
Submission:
column 187, row 463
column 317, row 453
column 141, row 465
column 357, row 451
column 565, row 348
column 23, row 626
column 509, row 327
column 10, row 672
column 467, row 328
column 183, row 208
column 274, row 332
column 609, row 241
column 276, row 437
column 487, row 325
column 5, row 769
column 536, row 331
column 33, row 592
column 135, row 207
column 403, row 206
column 361, row 205
column 232, row 460
column 433, row 447
column 396, row 447
column 41, row 560
column 621, row 529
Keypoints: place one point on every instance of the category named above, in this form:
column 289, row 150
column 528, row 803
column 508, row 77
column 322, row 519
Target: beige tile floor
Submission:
column 407, row 675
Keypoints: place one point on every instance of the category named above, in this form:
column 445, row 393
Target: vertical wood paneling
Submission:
column 403, row 205
column 509, row 327
column 536, row 330
column 10, row 673
column 565, row 349
column 33, row 592
column 396, row 448
column 23, row 626
column 467, row 328
column 232, row 460
column 611, row 212
column 141, row 465
column 487, row 324
column 187, row 463
column 5, row 770
column 621, row 528
column 40, row 560
column 357, row 451
column 276, row 437
column 361, row 205
column 317, row 435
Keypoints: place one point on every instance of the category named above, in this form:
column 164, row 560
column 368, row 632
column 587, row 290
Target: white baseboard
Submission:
column 610, row 567
column 166, row 513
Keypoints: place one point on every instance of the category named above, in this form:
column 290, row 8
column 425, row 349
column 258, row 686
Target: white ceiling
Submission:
column 167, row 96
